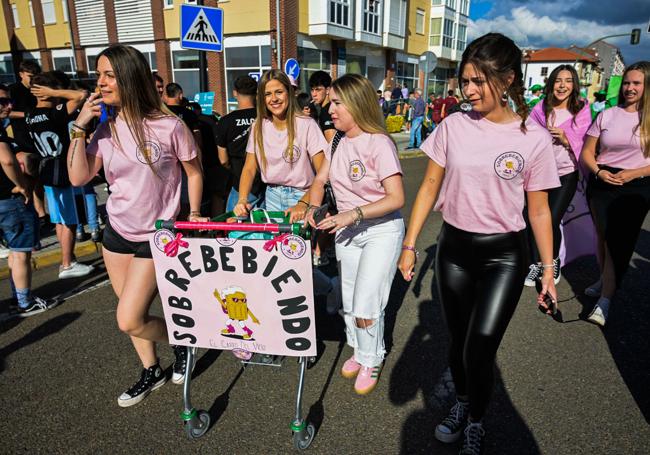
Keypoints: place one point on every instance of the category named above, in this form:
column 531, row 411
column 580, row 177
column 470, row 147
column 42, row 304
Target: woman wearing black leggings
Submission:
column 482, row 164
column 567, row 117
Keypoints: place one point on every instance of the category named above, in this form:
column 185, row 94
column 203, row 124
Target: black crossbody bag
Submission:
column 330, row 199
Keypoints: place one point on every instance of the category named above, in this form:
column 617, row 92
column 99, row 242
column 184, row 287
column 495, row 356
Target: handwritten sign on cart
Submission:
column 232, row 294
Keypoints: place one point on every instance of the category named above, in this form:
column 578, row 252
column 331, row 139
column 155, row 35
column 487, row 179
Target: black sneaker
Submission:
column 556, row 270
column 178, row 375
column 474, row 434
column 451, row 427
column 534, row 273
column 37, row 306
column 150, row 379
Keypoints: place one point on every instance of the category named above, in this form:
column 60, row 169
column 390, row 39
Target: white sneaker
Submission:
column 595, row 289
column 534, row 272
column 598, row 315
column 74, row 270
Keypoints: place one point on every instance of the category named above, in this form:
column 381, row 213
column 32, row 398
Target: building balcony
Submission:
column 332, row 18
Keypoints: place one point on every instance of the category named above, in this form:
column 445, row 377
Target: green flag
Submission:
column 612, row 90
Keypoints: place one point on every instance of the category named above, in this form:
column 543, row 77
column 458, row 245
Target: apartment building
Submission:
column 381, row 39
column 447, row 39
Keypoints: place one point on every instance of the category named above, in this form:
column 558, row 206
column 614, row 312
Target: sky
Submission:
column 553, row 23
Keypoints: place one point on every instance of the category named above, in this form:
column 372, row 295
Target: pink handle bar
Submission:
column 221, row 226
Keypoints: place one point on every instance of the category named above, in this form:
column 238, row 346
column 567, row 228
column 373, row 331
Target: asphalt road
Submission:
column 562, row 388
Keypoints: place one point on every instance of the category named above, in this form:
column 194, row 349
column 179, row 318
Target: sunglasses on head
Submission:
column 6, row 101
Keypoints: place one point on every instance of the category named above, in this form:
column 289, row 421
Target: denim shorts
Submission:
column 61, row 204
column 281, row 198
column 19, row 226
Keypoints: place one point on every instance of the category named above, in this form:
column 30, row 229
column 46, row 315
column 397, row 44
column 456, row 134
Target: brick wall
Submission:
column 217, row 75
column 46, row 54
column 111, row 24
column 79, row 52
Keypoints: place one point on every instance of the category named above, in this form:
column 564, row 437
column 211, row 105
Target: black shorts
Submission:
column 115, row 243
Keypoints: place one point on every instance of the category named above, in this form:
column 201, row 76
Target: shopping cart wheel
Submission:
column 196, row 428
column 303, row 439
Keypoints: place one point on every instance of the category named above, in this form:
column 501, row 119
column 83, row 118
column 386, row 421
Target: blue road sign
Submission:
column 201, row 28
column 292, row 68
column 255, row 75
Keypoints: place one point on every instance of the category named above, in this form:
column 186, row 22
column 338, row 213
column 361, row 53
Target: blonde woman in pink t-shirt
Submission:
column 618, row 192
column 366, row 177
column 142, row 149
column 285, row 146
column 484, row 164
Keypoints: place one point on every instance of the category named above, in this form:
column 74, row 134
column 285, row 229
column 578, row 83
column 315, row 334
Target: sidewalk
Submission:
column 50, row 253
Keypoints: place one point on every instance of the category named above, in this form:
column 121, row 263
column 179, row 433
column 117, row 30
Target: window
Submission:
column 544, row 71
column 464, row 7
column 14, row 10
column 340, row 12
column 371, row 9
column 169, row 4
column 240, row 61
column 436, row 2
column 419, row 21
column 461, row 39
column 448, row 34
column 7, row 71
column 451, row 4
column 407, row 73
column 31, row 13
column 64, row 5
column 434, row 38
column 65, row 64
column 312, row 60
column 49, row 15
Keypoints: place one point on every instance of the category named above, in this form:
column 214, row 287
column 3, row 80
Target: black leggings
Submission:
column 618, row 213
column 559, row 200
column 480, row 279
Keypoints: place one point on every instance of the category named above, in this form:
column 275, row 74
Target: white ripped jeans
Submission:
column 368, row 257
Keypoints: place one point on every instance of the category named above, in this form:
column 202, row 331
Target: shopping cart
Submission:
column 255, row 275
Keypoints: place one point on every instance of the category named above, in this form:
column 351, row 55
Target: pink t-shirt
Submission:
column 564, row 157
column 620, row 145
column 285, row 169
column 358, row 168
column 488, row 167
column 140, row 196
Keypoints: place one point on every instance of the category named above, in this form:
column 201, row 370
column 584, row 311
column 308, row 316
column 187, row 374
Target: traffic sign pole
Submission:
column 203, row 65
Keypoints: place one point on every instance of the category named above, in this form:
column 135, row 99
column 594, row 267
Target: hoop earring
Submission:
column 504, row 97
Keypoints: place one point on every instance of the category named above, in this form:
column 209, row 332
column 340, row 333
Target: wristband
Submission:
column 411, row 248
column 597, row 172
column 77, row 134
column 74, row 125
column 359, row 217
column 548, row 266
column 301, row 201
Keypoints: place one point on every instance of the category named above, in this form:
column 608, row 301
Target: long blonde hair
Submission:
column 263, row 113
column 139, row 99
column 644, row 104
column 360, row 99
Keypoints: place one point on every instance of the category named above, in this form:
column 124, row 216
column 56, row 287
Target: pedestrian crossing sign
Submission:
column 201, row 28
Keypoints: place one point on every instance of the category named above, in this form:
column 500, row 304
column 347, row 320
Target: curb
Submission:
column 48, row 258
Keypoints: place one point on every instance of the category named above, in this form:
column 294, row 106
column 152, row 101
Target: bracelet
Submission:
column 77, row 134
column 359, row 218
column 597, row 172
column 195, row 212
column 74, row 125
column 411, row 248
column 548, row 266
column 302, row 202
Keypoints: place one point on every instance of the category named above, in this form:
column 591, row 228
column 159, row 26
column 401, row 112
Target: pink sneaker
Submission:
column 367, row 380
column 350, row 368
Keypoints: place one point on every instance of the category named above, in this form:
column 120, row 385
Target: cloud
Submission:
column 539, row 28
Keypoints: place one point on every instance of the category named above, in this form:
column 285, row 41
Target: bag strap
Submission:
column 335, row 142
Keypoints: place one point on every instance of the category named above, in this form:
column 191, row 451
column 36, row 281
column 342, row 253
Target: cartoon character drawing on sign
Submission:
column 234, row 303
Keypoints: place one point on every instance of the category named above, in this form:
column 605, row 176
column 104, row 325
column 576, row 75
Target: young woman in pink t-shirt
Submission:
column 567, row 117
column 286, row 146
column 618, row 193
column 483, row 165
column 366, row 177
column 142, row 149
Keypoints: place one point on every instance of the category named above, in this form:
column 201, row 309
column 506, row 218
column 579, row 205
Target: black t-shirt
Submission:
column 208, row 129
column 48, row 128
column 322, row 115
column 23, row 101
column 6, row 185
column 187, row 116
column 232, row 134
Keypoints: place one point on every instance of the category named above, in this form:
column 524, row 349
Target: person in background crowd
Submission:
column 436, row 107
column 483, row 165
column 599, row 104
column 232, row 136
column 366, row 177
column 618, row 191
column 160, row 84
column 47, row 124
column 567, row 117
column 388, row 108
column 304, row 103
column 449, row 102
column 23, row 101
column 408, row 113
column 215, row 176
column 18, row 222
column 319, row 86
column 405, row 91
column 142, row 148
column 535, row 95
column 415, row 139
column 380, row 97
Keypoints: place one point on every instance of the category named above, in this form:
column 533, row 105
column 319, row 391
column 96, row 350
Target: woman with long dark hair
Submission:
column 142, row 149
column 286, row 146
column 566, row 116
column 618, row 192
column 484, row 163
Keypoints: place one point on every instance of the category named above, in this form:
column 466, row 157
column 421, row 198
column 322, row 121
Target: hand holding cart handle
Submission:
column 293, row 228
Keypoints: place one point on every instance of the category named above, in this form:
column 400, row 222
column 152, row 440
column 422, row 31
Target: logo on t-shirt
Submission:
column 293, row 156
column 149, row 150
column 293, row 247
column 509, row 165
column 356, row 170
